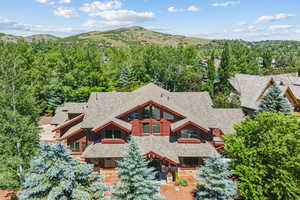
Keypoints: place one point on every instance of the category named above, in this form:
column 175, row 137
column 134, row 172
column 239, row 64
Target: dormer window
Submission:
column 113, row 134
column 189, row 133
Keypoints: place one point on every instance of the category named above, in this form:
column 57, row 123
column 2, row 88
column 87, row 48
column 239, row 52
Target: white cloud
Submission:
column 125, row 15
column 42, row 1
column 274, row 18
column 193, row 8
column 65, row 12
column 65, row 1
column 281, row 26
column 10, row 25
column 225, row 4
column 172, row 9
column 297, row 31
column 98, row 6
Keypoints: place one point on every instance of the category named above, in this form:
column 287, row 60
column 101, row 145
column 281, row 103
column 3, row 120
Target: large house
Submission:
column 172, row 128
column 252, row 88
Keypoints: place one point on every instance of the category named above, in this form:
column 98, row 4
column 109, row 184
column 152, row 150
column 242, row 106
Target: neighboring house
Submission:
column 176, row 129
column 252, row 88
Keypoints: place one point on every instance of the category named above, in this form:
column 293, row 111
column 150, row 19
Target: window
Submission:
column 113, row 134
column 151, row 128
column 190, row 162
column 151, row 112
column 146, row 127
column 168, row 116
column 156, row 127
column 147, row 112
column 188, row 133
column 133, row 116
column 74, row 146
column 155, row 113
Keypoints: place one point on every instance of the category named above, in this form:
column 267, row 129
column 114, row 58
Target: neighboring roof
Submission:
column 60, row 116
column 251, row 87
column 227, row 118
column 73, row 107
column 61, row 113
column 157, row 144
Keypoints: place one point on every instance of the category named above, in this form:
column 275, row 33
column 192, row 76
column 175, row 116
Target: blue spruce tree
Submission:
column 135, row 179
column 214, row 180
column 55, row 175
column 273, row 101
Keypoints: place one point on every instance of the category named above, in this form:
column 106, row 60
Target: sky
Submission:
column 250, row 20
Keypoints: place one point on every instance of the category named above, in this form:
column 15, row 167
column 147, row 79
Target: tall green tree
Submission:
column 266, row 158
column 211, row 73
column 224, row 70
column 18, row 113
column 135, row 178
column 54, row 174
column 273, row 101
column 214, row 178
column 267, row 59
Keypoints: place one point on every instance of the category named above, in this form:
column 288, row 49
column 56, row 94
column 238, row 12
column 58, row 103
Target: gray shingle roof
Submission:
column 250, row 87
column 157, row 144
column 61, row 113
column 104, row 107
column 59, row 117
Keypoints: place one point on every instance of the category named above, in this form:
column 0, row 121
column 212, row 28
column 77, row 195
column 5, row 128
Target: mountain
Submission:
column 133, row 36
column 41, row 37
column 14, row 38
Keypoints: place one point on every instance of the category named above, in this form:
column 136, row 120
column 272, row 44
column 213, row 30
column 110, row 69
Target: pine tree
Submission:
column 224, row 70
column 136, row 180
column 273, row 101
column 55, row 175
column 267, row 59
column 214, row 180
column 124, row 75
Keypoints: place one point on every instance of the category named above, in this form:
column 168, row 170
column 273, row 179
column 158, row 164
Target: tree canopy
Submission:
column 54, row 174
column 266, row 158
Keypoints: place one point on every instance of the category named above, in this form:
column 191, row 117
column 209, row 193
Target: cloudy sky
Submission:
column 213, row 19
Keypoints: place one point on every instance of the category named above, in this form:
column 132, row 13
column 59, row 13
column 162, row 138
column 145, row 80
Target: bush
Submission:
column 182, row 182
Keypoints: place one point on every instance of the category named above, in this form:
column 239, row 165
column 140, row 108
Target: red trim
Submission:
column 182, row 168
column 72, row 134
column 67, row 123
column 161, row 157
column 75, row 153
column 151, row 103
column 192, row 124
column 190, row 140
column 50, row 141
column 113, row 141
column 111, row 123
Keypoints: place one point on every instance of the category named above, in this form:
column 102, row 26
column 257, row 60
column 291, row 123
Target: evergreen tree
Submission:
column 224, row 70
column 211, row 73
column 215, row 182
column 273, row 101
column 125, row 75
column 55, row 175
column 267, row 59
column 54, row 98
column 136, row 180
